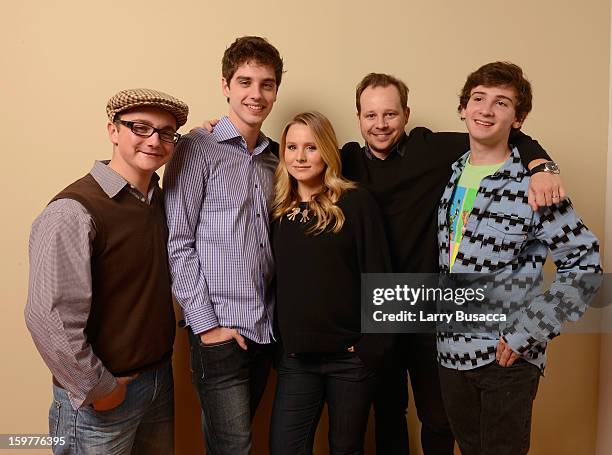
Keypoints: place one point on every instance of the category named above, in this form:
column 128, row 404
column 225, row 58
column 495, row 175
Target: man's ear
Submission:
column 518, row 123
column 225, row 87
column 407, row 113
column 113, row 132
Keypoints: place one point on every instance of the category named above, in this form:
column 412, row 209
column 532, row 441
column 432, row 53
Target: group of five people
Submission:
column 266, row 244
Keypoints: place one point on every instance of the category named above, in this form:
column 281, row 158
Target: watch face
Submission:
column 551, row 167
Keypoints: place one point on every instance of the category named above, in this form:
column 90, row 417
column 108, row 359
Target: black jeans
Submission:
column 230, row 382
column 418, row 355
column 305, row 383
column 489, row 407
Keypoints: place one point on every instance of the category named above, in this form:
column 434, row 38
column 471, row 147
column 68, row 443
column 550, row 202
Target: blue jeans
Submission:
column 142, row 424
column 230, row 382
column 305, row 383
column 489, row 407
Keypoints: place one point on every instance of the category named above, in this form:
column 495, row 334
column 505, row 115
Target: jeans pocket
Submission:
column 355, row 365
column 216, row 344
column 111, row 411
column 54, row 418
column 125, row 406
column 195, row 361
column 222, row 360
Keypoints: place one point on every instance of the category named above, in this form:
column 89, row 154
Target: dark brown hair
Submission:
column 381, row 80
column 496, row 74
column 247, row 49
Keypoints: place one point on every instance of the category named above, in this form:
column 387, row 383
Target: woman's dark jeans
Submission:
column 305, row 383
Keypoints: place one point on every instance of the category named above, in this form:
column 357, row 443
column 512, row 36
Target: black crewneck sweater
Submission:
column 319, row 281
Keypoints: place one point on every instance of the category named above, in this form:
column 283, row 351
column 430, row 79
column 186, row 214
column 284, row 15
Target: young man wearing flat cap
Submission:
column 99, row 303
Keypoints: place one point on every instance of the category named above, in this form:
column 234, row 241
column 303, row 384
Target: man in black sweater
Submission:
column 407, row 174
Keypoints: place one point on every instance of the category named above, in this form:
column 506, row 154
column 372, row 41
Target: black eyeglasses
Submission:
column 144, row 130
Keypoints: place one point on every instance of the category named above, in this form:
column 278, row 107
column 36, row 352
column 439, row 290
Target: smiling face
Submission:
column 490, row 115
column 135, row 157
column 303, row 160
column 382, row 118
column 251, row 93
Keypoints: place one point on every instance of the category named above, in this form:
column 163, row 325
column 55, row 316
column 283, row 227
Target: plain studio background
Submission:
column 62, row 60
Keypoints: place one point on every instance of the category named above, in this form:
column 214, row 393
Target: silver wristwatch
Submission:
column 550, row 167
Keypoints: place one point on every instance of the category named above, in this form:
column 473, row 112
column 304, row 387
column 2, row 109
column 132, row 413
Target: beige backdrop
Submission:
column 62, row 59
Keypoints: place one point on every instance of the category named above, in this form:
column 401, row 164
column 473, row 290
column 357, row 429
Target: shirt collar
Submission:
column 110, row 181
column 226, row 131
column 397, row 149
column 512, row 167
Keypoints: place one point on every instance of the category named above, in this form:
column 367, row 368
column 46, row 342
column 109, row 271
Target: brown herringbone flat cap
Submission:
column 135, row 97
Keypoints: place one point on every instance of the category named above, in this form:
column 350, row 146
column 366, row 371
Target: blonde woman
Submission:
column 326, row 232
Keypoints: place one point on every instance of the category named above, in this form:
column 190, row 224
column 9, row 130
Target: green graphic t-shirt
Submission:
column 463, row 202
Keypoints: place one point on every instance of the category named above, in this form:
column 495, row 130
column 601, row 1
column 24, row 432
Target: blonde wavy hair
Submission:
column 322, row 204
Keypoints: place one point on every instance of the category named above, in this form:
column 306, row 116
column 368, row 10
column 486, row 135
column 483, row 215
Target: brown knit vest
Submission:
column 131, row 323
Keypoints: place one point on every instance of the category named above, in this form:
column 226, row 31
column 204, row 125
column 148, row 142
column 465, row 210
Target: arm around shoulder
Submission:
column 545, row 189
column 447, row 145
column 529, row 148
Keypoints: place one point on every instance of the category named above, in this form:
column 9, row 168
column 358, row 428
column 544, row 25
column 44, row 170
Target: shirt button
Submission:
column 261, row 245
column 507, row 228
column 258, row 215
column 256, row 186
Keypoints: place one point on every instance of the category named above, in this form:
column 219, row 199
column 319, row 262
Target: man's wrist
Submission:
column 208, row 331
column 106, row 385
column 201, row 319
column 546, row 166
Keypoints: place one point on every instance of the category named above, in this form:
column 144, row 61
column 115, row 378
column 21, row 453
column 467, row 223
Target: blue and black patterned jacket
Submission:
column 506, row 239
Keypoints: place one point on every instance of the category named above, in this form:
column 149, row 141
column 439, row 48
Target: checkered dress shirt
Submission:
column 217, row 203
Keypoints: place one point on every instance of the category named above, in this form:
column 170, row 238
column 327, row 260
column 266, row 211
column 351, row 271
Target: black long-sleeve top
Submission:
column 319, row 281
column 408, row 186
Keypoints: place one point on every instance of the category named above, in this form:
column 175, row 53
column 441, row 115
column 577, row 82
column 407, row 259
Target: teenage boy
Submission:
column 407, row 175
column 99, row 310
column 489, row 382
column 218, row 190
